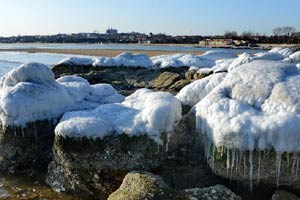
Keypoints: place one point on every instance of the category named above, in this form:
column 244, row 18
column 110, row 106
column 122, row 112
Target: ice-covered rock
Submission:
column 80, row 61
column 293, row 58
column 282, row 50
column 111, row 140
column 187, row 60
column 254, row 109
column 31, row 101
column 246, row 58
column 144, row 112
column 197, row 90
column 30, row 93
column 124, row 60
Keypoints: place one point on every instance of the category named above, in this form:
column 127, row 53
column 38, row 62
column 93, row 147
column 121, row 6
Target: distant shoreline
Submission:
column 98, row 52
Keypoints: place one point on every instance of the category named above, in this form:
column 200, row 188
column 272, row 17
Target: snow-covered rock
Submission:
column 293, row 58
column 197, row 90
column 77, row 61
column 282, row 50
column 125, row 59
column 256, row 106
column 187, row 60
column 30, row 93
column 247, row 58
column 144, row 112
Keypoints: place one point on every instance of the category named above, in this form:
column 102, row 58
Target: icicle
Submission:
column 251, row 170
column 240, row 160
column 228, row 161
column 297, row 168
column 35, row 131
column 278, row 165
column 168, row 141
column 259, row 164
column 213, row 158
column 236, row 160
column 287, row 161
column 232, row 162
column 22, row 131
column 294, row 163
column 15, row 132
column 245, row 165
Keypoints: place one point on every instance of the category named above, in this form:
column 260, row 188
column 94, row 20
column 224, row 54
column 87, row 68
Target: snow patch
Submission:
column 125, row 59
column 197, row 90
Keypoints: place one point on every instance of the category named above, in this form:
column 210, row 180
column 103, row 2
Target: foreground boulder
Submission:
column 254, row 110
column 144, row 185
column 31, row 103
column 95, row 149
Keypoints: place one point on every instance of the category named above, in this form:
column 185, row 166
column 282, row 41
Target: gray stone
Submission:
column 284, row 195
column 28, row 148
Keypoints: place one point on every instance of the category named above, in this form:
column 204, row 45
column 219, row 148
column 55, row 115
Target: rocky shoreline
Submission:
column 146, row 145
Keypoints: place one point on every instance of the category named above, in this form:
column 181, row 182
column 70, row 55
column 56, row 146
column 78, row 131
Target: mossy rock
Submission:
column 26, row 148
column 142, row 185
column 95, row 168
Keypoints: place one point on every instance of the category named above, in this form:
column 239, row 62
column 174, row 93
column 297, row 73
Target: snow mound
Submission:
column 125, row 59
column 143, row 112
column 247, row 58
column 30, row 93
column 207, row 59
column 256, row 106
column 281, row 50
column 197, row 90
column 77, row 61
column 293, row 58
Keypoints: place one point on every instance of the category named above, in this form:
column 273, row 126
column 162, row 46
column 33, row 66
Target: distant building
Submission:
column 111, row 31
column 218, row 42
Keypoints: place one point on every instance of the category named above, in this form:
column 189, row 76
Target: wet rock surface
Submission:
column 127, row 79
column 97, row 167
column 284, row 195
column 27, row 149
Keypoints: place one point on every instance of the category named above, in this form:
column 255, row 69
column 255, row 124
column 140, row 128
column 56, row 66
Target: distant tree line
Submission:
column 285, row 34
column 280, row 35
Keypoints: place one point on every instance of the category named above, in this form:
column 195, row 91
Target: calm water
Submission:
column 112, row 47
column 10, row 60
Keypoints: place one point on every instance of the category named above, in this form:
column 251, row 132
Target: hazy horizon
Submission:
column 174, row 17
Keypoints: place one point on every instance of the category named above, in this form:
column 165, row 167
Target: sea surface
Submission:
column 113, row 47
column 10, row 60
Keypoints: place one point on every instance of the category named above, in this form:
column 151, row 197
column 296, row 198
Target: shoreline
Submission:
column 99, row 52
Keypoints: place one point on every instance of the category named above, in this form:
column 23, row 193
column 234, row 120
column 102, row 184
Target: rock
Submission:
column 284, row 195
column 126, row 79
column 217, row 192
column 142, row 185
column 3, row 192
column 165, row 80
column 28, row 148
column 96, row 168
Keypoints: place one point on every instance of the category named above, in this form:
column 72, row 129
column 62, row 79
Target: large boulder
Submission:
column 94, row 149
column 31, row 103
column 254, row 110
column 144, row 185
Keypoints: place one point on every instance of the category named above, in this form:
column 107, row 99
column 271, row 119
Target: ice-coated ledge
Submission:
column 143, row 112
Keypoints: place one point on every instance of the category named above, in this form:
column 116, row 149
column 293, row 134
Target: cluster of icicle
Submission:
column 243, row 161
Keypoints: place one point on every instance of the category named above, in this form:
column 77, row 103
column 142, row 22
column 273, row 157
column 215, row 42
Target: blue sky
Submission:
column 175, row 17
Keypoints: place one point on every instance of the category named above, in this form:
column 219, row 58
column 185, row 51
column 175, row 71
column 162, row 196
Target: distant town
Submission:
column 287, row 35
